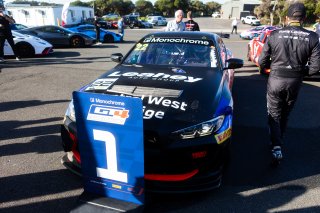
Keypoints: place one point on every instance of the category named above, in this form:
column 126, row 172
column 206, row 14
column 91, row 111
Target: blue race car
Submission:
column 184, row 80
column 105, row 35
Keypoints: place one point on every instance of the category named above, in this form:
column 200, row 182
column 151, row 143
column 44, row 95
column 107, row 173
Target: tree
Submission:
column 81, row 4
column 213, row 7
column 144, row 7
column 165, row 6
column 197, row 7
column 113, row 6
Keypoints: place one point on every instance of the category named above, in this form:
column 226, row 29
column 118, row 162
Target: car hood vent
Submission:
column 145, row 91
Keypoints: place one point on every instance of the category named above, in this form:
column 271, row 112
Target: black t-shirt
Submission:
column 4, row 27
column 192, row 26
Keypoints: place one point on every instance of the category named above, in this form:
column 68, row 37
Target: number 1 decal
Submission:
column 111, row 172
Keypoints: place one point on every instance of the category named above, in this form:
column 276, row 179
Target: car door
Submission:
column 89, row 31
column 54, row 35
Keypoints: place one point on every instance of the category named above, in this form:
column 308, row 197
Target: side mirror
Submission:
column 116, row 57
column 234, row 63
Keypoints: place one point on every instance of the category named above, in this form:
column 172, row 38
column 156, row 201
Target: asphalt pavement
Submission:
column 35, row 94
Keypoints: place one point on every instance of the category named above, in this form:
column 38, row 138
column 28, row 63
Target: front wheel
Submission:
column 76, row 42
column 25, row 50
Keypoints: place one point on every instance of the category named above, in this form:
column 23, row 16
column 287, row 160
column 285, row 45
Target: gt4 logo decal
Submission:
column 114, row 115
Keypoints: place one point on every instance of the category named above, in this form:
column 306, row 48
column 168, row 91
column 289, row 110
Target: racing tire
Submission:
column 243, row 22
column 131, row 26
column 156, row 24
column 25, row 50
column 248, row 54
column 76, row 41
column 108, row 39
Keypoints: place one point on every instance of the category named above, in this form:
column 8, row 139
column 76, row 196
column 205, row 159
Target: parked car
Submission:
column 111, row 16
column 184, row 80
column 131, row 21
column 252, row 20
column 145, row 24
column 27, row 46
column 216, row 15
column 105, row 35
column 17, row 26
column 256, row 31
column 59, row 36
column 105, row 24
column 157, row 20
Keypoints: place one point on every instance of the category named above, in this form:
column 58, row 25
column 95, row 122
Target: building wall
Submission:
column 233, row 8
column 38, row 16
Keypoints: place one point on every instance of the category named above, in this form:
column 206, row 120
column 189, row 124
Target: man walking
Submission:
column 97, row 26
column 6, row 34
column 190, row 24
column 287, row 52
column 177, row 24
column 234, row 25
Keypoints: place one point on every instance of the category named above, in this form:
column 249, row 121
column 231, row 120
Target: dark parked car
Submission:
column 17, row 26
column 59, row 36
column 184, row 80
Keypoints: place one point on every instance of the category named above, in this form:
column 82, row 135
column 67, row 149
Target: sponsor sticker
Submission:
column 141, row 47
column 108, row 114
column 156, row 76
column 223, row 136
column 176, row 40
column 101, row 84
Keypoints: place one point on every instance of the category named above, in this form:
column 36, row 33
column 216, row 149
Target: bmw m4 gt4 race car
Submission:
column 184, row 80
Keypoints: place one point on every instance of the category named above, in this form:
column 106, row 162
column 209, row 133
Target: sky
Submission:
column 63, row 1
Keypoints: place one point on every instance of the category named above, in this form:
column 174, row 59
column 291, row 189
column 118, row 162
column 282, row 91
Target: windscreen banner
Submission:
column 110, row 137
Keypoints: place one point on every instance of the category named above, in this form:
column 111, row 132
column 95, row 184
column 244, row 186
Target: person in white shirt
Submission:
column 177, row 24
column 234, row 25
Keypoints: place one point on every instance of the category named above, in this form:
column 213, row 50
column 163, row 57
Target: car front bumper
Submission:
column 170, row 170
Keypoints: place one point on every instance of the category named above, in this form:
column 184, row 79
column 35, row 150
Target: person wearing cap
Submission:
column 287, row 52
column 6, row 34
column 177, row 24
column 97, row 27
column 190, row 24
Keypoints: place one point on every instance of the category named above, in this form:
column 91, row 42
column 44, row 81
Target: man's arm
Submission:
column 168, row 26
column 265, row 56
column 314, row 60
column 9, row 19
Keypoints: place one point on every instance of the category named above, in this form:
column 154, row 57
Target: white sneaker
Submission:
column 18, row 58
column 1, row 60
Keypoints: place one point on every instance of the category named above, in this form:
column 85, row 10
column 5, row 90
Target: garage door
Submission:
column 235, row 12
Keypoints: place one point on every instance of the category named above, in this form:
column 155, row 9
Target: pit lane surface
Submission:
column 35, row 93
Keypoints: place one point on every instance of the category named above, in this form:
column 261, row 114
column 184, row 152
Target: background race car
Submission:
column 256, row 31
column 59, row 36
column 255, row 47
column 28, row 46
column 105, row 35
column 184, row 81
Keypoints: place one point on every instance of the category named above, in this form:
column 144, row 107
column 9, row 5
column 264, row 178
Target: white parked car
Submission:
column 28, row 46
column 216, row 15
column 252, row 20
column 157, row 20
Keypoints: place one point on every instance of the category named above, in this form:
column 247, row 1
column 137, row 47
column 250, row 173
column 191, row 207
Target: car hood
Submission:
column 173, row 97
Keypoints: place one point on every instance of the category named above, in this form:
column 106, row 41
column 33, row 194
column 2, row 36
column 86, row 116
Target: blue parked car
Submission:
column 105, row 35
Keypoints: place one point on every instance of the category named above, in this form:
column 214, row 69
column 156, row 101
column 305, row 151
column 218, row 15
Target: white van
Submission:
column 157, row 20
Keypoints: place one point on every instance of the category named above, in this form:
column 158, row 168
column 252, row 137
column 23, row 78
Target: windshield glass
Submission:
column 174, row 51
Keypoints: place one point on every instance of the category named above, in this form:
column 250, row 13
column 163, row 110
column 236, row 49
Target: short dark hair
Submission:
column 297, row 11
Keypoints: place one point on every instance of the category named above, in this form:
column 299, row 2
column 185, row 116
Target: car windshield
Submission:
column 174, row 51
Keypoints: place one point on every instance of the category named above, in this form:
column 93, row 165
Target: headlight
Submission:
column 70, row 111
column 202, row 129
